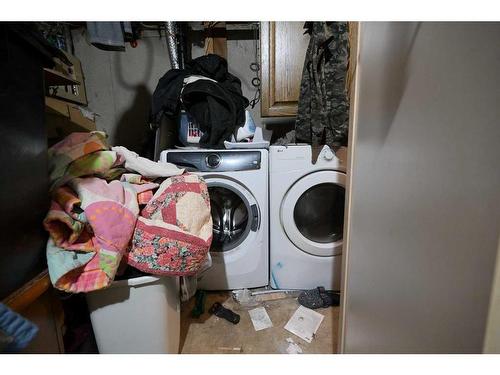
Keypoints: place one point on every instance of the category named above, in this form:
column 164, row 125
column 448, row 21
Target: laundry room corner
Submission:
column 239, row 186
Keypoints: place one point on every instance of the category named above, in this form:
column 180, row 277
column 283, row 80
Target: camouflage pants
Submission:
column 323, row 113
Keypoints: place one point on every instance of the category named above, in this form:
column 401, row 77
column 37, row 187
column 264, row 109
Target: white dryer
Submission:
column 237, row 183
column 306, row 217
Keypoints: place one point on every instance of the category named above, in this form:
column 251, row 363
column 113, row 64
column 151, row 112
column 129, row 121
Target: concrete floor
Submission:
column 211, row 335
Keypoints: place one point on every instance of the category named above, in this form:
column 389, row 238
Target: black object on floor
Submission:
column 218, row 310
column 199, row 306
column 319, row 297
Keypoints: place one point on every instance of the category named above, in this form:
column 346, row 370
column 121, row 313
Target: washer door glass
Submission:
column 230, row 215
column 319, row 213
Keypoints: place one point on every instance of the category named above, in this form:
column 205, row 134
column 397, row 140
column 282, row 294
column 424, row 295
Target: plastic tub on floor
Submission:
column 140, row 315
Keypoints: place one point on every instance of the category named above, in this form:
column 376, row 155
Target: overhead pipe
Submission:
column 172, row 45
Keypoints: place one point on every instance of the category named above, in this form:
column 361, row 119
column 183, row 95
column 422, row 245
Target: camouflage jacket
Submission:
column 323, row 113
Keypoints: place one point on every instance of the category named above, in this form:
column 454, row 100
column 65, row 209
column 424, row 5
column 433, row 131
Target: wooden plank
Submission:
column 72, row 92
column 76, row 117
column 353, row 51
column 55, row 78
column 70, row 111
column 37, row 302
column 28, row 293
column 56, row 107
column 216, row 38
column 264, row 68
column 46, row 312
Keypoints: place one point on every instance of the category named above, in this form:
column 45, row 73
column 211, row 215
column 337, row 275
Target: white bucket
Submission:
column 140, row 315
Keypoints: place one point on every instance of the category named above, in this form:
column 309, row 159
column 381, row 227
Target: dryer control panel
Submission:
column 211, row 161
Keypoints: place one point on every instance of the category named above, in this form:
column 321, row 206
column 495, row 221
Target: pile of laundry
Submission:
column 209, row 94
column 111, row 208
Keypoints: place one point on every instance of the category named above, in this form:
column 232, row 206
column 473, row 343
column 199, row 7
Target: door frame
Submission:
column 353, row 126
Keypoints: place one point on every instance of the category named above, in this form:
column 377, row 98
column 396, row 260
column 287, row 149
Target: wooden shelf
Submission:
column 28, row 293
column 55, row 78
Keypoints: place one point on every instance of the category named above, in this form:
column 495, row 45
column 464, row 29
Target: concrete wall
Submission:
column 120, row 84
column 424, row 211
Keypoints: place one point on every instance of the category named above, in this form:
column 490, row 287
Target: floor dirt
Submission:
column 209, row 334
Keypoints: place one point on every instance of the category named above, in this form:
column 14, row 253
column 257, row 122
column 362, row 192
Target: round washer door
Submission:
column 312, row 213
column 235, row 213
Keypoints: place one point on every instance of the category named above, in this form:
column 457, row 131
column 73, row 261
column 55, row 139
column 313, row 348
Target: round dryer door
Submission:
column 312, row 213
column 235, row 213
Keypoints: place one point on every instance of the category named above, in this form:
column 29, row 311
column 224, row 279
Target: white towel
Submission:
column 146, row 167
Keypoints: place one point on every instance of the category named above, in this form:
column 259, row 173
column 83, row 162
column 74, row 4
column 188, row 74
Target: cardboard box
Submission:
column 74, row 89
column 63, row 118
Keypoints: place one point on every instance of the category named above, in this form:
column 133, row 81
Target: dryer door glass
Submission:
column 231, row 219
column 319, row 213
column 312, row 213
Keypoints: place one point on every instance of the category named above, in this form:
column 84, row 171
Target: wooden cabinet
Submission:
column 283, row 48
column 37, row 302
column 63, row 118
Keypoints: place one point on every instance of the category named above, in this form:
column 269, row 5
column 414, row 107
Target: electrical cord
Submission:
column 255, row 67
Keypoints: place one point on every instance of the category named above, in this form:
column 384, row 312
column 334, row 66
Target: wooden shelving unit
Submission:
column 56, row 78
column 28, row 293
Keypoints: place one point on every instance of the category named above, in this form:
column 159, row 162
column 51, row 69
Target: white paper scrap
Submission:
column 304, row 323
column 293, row 348
column 260, row 319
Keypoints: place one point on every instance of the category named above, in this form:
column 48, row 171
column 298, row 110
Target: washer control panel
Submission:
column 213, row 160
column 220, row 161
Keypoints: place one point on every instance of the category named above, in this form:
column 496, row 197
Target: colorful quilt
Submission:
column 174, row 232
column 93, row 217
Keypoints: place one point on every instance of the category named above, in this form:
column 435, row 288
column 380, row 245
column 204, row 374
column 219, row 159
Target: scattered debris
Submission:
column 244, row 298
column 260, row 319
column 229, row 349
column 272, row 295
column 250, row 299
column 293, row 347
column 304, row 323
column 289, row 347
column 290, row 292
column 218, row 310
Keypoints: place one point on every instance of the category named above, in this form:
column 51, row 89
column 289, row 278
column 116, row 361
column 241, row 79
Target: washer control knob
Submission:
column 213, row 160
column 328, row 155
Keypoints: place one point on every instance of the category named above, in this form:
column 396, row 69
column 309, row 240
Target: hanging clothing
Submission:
column 323, row 112
column 16, row 332
column 109, row 36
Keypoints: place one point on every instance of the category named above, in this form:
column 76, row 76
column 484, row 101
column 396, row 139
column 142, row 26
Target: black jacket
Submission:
column 217, row 107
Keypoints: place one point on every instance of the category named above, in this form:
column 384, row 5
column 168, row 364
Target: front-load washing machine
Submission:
column 237, row 183
column 306, row 216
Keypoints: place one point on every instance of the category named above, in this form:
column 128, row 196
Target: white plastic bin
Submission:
column 140, row 315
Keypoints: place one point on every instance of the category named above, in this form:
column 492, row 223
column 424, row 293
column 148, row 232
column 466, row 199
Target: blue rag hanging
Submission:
column 16, row 332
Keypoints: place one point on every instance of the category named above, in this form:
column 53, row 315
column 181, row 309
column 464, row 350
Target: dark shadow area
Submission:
column 79, row 336
column 24, row 199
column 132, row 129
